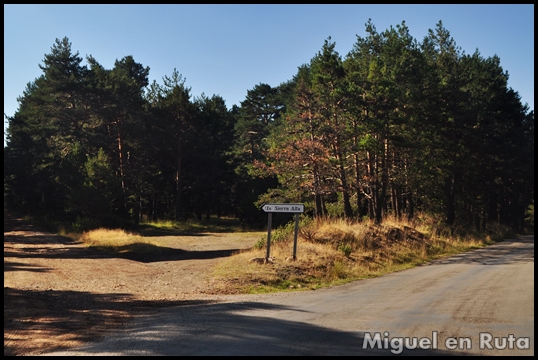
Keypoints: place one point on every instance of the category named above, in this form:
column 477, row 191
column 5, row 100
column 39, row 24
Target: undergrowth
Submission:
column 336, row 251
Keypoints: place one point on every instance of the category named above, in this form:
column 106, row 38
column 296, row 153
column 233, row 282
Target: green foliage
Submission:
column 394, row 128
column 346, row 249
column 82, row 224
column 260, row 244
column 285, row 232
column 529, row 215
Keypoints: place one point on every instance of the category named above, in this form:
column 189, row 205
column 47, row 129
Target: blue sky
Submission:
column 228, row 49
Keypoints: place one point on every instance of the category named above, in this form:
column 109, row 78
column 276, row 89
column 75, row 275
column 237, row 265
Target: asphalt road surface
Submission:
column 477, row 303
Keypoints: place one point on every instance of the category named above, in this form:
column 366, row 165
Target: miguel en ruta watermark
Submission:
column 486, row 341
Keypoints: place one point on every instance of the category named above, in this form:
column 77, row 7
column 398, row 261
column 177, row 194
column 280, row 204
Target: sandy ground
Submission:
column 59, row 294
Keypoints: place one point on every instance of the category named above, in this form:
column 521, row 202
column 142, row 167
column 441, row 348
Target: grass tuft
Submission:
column 115, row 240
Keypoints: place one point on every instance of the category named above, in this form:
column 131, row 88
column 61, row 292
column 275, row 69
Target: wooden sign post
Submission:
column 283, row 208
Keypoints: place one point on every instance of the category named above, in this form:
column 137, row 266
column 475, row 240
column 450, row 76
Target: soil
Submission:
column 59, row 293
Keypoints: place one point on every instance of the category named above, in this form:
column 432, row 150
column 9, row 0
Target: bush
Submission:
column 285, row 232
column 82, row 224
column 346, row 249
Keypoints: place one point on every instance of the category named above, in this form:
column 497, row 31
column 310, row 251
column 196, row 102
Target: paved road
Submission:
column 476, row 298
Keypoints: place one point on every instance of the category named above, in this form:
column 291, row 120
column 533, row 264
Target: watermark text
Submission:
column 487, row 341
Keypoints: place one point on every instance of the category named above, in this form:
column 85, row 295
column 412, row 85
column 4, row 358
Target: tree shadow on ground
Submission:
column 36, row 320
column 510, row 251
column 225, row 329
column 151, row 253
column 18, row 266
column 153, row 231
column 141, row 252
column 44, row 245
column 200, row 228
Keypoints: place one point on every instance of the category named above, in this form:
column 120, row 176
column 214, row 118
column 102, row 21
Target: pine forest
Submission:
column 396, row 126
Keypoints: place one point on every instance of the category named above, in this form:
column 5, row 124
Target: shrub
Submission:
column 346, row 249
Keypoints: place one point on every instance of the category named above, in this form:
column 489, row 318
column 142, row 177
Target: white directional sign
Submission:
column 284, row 208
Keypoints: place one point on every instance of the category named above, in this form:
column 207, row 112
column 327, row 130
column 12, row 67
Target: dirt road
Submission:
column 59, row 294
column 480, row 303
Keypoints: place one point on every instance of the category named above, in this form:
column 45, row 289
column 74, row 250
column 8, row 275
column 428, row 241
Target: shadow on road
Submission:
column 220, row 330
column 146, row 253
column 37, row 320
column 15, row 266
column 509, row 251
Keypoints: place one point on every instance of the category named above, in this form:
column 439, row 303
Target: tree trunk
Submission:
column 372, row 203
column 450, row 200
column 178, row 180
column 318, row 212
column 384, row 179
column 121, row 159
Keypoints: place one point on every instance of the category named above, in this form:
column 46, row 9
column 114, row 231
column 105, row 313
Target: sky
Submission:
column 228, row 49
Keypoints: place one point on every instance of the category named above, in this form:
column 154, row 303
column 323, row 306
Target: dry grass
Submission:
column 335, row 251
column 329, row 252
column 212, row 224
column 113, row 240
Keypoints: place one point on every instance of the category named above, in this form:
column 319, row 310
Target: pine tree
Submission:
column 258, row 114
column 46, row 136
